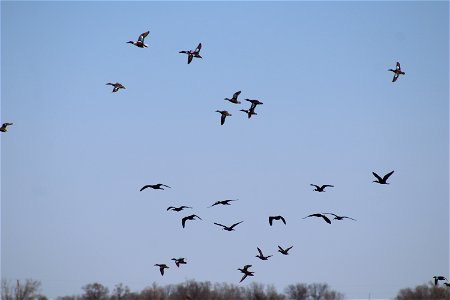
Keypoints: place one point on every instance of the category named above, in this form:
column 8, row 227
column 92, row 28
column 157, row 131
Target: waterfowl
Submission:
column 179, row 261
column 254, row 103
column 249, row 112
column 4, row 127
column 234, row 98
column 261, row 255
column 336, row 217
column 246, row 272
column 191, row 217
column 437, row 278
column 271, row 218
column 177, row 208
column 224, row 115
column 447, row 284
column 382, row 180
column 157, row 186
column 117, row 86
column 320, row 216
column 321, row 188
column 229, row 228
column 284, row 251
column 397, row 72
column 223, row 202
column 140, row 42
column 161, row 268
column 193, row 53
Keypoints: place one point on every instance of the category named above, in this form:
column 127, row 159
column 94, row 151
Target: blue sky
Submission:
column 77, row 154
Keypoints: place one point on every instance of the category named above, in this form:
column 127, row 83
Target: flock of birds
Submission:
column 191, row 54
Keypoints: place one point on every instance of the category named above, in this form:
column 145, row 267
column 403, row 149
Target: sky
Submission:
column 74, row 160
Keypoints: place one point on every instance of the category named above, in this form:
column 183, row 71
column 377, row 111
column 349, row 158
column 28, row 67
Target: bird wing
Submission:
column 166, row 186
column 326, row 219
column 144, row 187
column 143, row 36
column 397, row 67
column 282, row 219
column 161, row 269
column 220, row 225
column 271, row 220
column 348, row 218
column 183, row 221
column 199, row 47
column 326, row 185
column 222, row 119
column 170, row 207
column 197, row 217
column 318, row 187
column 190, row 56
column 236, row 224
column 377, row 176
column 243, row 277
column 387, row 175
column 287, row 249
column 235, row 95
column 331, row 214
column 281, row 249
column 394, row 79
column 260, row 252
column 183, row 52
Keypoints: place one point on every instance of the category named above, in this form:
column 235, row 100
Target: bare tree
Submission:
column 298, row 291
column 424, row 292
column 95, row 291
column 120, row 292
column 314, row 291
column 28, row 290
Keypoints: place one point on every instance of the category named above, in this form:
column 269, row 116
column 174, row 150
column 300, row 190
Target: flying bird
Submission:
column 321, row 216
column 437, row 278
column 191, row 217
column 179, row 261
column 177, row 208
column 336, row 217
column 234, row 98
column 193, row 53
column 447, row 284
column 284, row 251
column 271, row 218
column 229, row 228
column 261, row 255
column 321, row 188
column 397, row 72
column 222, row 202
column 224, row 114
column 246, row 272
column 254, row 103
column 382, row 180
column 117, row 86
column 154, row 186
column 4, row 127
column 249, row 112
column 140, row 42
column 161, row 268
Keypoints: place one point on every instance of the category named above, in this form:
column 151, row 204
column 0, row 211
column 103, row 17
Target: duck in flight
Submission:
column 336, row 217
column 223, row 202
column 154, row 186
column 234, row 98
column 140, row 42
column 4, row 127
column 382, row 180
column 398, row 71
column 177, row 208
column 437, row 278
column 229, row 228
column 271, row 218
column 261, row 255
column 191, row 217
column 117, row 86
column 193, row 53
column 161, row 268
column 321, row 188
column 284, row 251
column 246, row 272
column 224, row 114
column 179, row 261
column 254, row 103
column 250, row 112
column 320, row 216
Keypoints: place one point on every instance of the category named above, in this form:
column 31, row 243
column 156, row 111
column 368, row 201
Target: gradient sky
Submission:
column 74, row 160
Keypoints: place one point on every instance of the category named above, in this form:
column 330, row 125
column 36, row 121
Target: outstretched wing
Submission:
column 287, row 249
column 243, row 277
column 170, row 207
column 394, row 79
column 260, row 252
column 271, row 220
column 199, row 47
column 222, row 119
column 144, row 187
column 235, row 224
column 318, row 187
column 377, row 176
column 183, row 221
column 282, row 219
column 326, row 219
column 220, row 225
column 387, row 175
column 327, row 185
column 190, row 56
column 143, row 36
column 235, row 95
column 166, row 186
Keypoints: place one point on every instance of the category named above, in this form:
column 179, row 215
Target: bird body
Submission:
column 246, row 272
column 154, row 186
column 234, row 98
column 261, row 255
column 382, row 180
column 398, row 71
column 320, row 216
column 179, row 261
column 284, row 251
column 4, row 127
column 193, row 53
column 250, row 112
column 229, row 228
column 140, row 42
column 191, row 217
column 321, row 188
column 117, row 86
column 161, row 268
column 271, row 218
column 437, row 278
column 224, row 114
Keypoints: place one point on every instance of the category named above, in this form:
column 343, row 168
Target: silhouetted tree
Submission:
column 95, row 291
column 28, row 290
column 120, row 292
column 424, row 292
column 314, row 291
column 297, row 291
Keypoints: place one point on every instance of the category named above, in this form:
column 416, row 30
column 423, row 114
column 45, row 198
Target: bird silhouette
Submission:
column 321, row 216
column 191, row 217
column 223, row 202
column 193, row 53
column 284, row 251
column 336, row 217
column 177, row 208
column 154, row 186
column 117, row 86
column 382, row 180
column 321, row 188
column 224, row 114
column 179, row 261
column 254, row 103
column 447, row 284
column 161, row 268
column 271, row 218
column 249, row 112
column 398, row 71
column 437, row 278
column 229, row 228
column 140, row 42
column 4, row 127
column 234, row 98
column 261, row 255
column 246, row 272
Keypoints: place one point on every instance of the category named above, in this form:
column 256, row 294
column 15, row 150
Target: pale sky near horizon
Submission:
column 74, row 160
